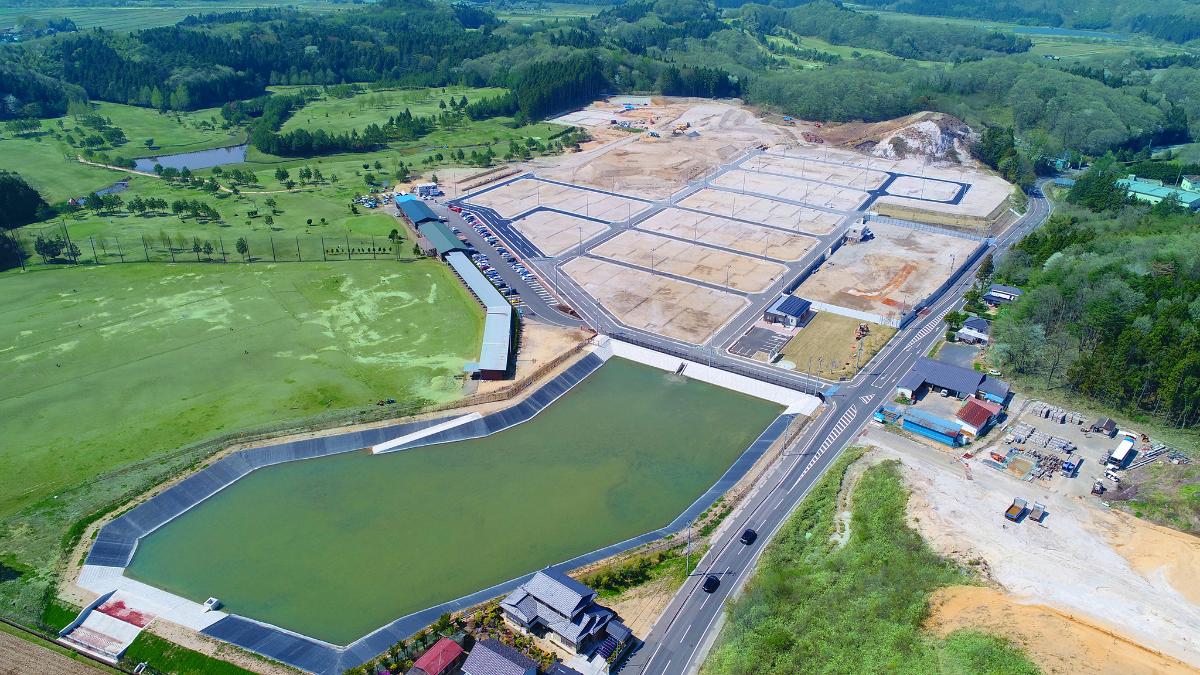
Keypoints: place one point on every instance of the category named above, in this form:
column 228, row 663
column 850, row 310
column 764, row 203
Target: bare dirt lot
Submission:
column 657, row 167
column 889, row 273
column 1058, row 642
column 983, row 202
column 762, row 210
column 1077, row 561
column 710, row 265
column 795, row 189
column 523, row 195
column 554, row 232
column 19, row 657
column 655, row 303
column 923, row 188
column 721, row 231
column 825, row 172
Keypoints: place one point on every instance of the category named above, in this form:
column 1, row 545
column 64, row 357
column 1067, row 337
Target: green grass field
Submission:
column 109, row 365
column 48, row 163
column 340, row 115
column 550, row 11
column 816, row 606
column 172, row 132
column 136, row 18
column 166, row 657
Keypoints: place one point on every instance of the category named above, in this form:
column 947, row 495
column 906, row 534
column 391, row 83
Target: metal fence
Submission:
column 67, row 248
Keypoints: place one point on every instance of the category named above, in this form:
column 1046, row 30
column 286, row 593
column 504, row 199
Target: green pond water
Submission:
column 336, row 547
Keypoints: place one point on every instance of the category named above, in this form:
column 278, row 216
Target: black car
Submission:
column 749, row 536
column 711, row 582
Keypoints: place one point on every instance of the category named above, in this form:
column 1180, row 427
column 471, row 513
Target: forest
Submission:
column 1112, row 300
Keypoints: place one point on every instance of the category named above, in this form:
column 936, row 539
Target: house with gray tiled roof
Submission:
column 493, row 657
column 553, row 605
column 954, row 380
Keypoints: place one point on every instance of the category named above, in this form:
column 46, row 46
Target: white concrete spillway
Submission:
column 795, row 401
column 387, row 446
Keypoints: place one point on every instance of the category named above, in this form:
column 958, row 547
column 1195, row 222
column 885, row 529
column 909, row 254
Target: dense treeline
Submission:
column 25, row 93
column 19, row 203
column 904, row 39
column 549, row 86
column 1112, row 302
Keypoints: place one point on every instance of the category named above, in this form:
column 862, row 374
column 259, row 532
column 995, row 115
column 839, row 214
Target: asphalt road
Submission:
column 680, row 639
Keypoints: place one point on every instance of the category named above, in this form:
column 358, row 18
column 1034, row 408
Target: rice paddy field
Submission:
column 336, row 547
column 105, row 366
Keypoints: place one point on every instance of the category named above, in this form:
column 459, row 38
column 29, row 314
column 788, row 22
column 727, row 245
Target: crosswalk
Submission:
column 933, row 325
column 842, row 424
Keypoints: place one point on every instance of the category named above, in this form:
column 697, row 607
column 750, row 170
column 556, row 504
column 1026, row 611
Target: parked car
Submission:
column 749, row 536
column 456, row 209
column 711, row 583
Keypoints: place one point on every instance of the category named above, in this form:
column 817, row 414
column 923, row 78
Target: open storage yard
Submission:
column 553, row 232
column 681, row 258
column 338, row 546
column 655, row 303
column 523, row 195
column 762, row 210
column 889, row 273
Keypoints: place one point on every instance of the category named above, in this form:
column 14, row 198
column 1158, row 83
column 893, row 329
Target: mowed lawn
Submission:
column 340, row 115
column 108, row 365
column 827, row 344
column 171, row 132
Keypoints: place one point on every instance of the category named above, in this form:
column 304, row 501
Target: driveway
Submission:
column 958, row 353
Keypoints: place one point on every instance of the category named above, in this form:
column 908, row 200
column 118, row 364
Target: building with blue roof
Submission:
column 788, row 310
column 493, row 657
column 934, row 427
column 414, row 210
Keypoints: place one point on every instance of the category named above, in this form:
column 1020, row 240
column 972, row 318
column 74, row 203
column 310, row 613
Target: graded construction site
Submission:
column 682, row 216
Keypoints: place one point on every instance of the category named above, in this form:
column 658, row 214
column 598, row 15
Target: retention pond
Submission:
column 335, row 547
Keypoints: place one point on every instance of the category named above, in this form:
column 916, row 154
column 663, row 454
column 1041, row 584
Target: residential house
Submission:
column 974, row 331
column 493, row 657
column 999, row 294
column 441, row 659
column 553, row 605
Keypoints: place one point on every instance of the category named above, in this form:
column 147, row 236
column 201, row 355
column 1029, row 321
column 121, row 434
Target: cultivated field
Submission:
column 136, row 18
column 655, row 303
column 795, row 189
column 762, row 210
column 554, row 233
column 682, row 258
column 109, row 365
column 889, row 273
column 721, row 231
column 523, row 195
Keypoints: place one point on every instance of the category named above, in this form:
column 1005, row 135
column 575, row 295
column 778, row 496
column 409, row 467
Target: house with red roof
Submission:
column 442, row 658
column 977, row 416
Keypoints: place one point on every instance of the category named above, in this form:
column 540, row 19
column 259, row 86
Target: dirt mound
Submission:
column 1056, row 641
column 938, row 136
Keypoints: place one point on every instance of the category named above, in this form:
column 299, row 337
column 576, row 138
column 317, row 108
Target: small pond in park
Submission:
column 199, row 159
column 336, row 547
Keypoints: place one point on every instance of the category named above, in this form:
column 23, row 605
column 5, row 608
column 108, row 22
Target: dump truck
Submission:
column 1016, row 509
column 1038, row 512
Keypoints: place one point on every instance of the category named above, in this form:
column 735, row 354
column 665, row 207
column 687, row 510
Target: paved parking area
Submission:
column 958, row 353
column 758, row 340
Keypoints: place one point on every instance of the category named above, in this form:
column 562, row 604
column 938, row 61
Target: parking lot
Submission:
column 759, row 340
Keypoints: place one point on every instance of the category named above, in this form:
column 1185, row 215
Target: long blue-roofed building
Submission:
column 495, row 356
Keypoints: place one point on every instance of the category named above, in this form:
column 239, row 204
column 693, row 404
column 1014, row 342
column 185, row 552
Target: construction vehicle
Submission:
column 1038, row 512
column 680, row 128
column 1071, row 465
column 862, row 331
column 1016, row 509
column 653, row 134
column 1098, row 488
